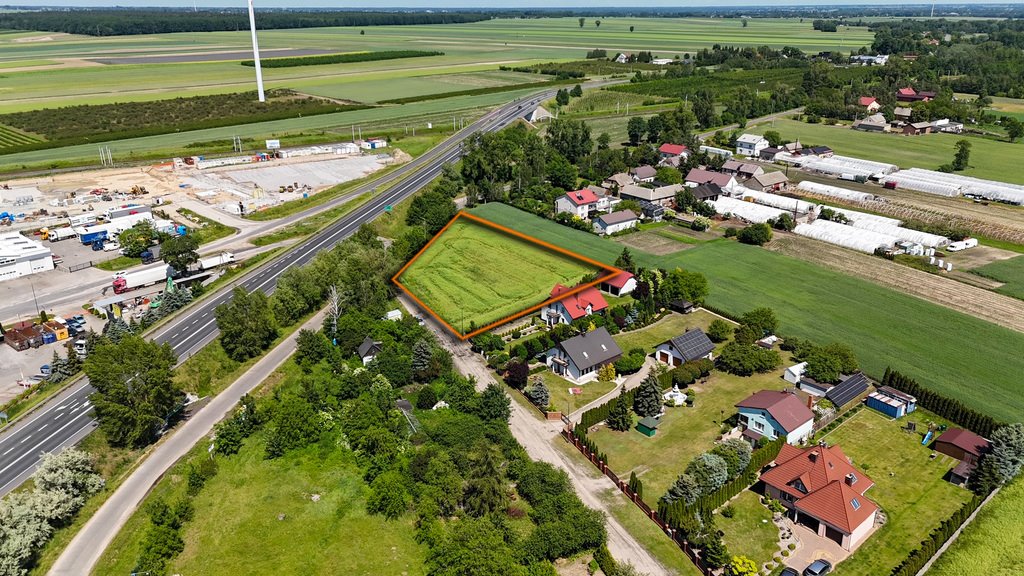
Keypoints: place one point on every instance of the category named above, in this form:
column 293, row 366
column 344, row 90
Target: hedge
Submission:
column 340, row 58
column 944, row 406
column 474, row 92
column 600, row 413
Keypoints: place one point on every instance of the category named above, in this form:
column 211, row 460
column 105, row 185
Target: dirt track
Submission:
column 978, row 302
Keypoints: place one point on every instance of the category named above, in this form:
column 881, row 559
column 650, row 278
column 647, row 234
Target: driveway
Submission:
column 813, row 547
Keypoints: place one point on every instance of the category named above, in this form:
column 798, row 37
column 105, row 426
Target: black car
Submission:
column 789, row 572
column 818, row 568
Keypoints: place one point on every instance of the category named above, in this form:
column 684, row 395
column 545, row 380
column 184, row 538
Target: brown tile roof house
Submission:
column 700, row 176
column 618, row 180
column 962, row 445
column 742, row 169
column 768, row 181
column 823, row 491
column 642, row 173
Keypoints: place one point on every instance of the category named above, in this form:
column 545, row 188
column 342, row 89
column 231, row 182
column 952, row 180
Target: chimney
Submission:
column 810, row 402
column 813, row 456
column 850, row 479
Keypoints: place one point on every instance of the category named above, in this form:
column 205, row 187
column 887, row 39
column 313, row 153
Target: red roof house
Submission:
column 772, row 413
column 620, row 284
column 668, row 150
column 823, row 492
column 963, row 445
column 574, row 306
column 578, row 202
column 870, row 103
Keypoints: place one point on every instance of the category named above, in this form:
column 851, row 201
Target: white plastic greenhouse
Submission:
column 856, row 216
column 774, row 200
column 921, row 184
column 846, row 236
column 847, row 165
column 746, row 210
column 954, row 184
column 915, row 236
column 834, row 191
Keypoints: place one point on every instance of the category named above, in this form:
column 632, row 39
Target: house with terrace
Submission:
column 578, row 358
column 573, row 306
column 580, row 203
column 824, row 492
column 773, row 414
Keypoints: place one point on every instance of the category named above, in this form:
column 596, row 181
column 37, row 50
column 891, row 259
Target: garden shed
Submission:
column 648, row 426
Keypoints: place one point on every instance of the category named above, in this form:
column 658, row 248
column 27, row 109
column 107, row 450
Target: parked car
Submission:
column 111, row 246
column 818, row 568
column 789, row 572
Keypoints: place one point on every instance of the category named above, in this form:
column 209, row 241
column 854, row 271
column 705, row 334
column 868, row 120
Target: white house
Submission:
column 615, row 222
column 20, row 256
column 795, row 372
column 574, row 306
column 687, row 347
column 368, row 350
column 771, row 414
column 645, row 173
column 750, row 145
column 578, row 359
column 580, row 203
column 394, row 315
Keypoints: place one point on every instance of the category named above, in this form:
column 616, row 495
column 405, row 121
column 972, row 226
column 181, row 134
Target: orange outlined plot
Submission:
column 610, row 273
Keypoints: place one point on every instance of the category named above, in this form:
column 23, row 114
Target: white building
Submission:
column 750, row 145
column 795, row 372
column 20, row 256
column 615, row 222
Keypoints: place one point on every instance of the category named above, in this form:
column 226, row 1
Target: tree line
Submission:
column 340, row 58
column 129, row 22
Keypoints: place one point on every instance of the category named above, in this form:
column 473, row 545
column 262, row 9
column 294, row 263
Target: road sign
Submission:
column 387, row 208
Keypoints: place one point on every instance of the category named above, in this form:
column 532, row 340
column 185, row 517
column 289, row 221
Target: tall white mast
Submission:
column 256, row 53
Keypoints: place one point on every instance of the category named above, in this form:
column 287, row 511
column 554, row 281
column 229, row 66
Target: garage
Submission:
column 834, row 534
column 810, row 522
column 666, row 357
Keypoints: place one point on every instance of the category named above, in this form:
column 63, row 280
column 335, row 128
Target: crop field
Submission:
column 989, row 158
column 608, row 101
column 363, row 90
column 909, row 486
column 473, row 275
column 993, row 543
column 970, row 359
column 1009, row 272
column 14, row 137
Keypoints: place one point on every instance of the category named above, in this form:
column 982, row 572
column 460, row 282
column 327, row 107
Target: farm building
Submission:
column 572, row 307
column 615, row 222
column 833, row 191
column 716, row 151
column 643, row 174
column 578, row 358
column 908, row 94
column 917, row 128
column 617, row 181
column 962, row 444
column 846, row 166
column 902, row 113
column 750, row 145
column 873, row 123
column 794, row 373
column 768, row 154
column 661, row 195
column 891, row 402
column 688, row 346
column 771, row 414
column 620, row 285
column 20, row 256
column 651, row 211
column 768, row 182
column 823, row 491
column 742, row 170
column 944, row 125
column 745, row 210
column 698, row 176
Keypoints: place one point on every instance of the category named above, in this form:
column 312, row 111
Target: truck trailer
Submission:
column 133, row 280
column 58, row 234
column 215, row 261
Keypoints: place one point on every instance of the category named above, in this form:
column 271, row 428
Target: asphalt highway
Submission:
column 67, row 417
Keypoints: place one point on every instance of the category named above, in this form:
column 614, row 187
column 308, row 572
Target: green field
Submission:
column 989, row 158
column 993, row 543
column 909, row 486
column 475, row 275
column 750, row 532
column 955, row 354
column 1010, row 272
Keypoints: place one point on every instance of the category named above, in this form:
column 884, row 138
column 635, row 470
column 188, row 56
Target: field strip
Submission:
column 978, row 302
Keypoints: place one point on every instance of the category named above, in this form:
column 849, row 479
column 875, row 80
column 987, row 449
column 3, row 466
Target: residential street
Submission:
column 538, row 437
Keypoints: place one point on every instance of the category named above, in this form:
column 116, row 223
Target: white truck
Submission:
column 211, row 262
column 58, row 234
column 132, row 280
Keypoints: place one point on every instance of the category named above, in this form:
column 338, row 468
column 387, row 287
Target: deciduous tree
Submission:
column 247, row 326
column 180, row 252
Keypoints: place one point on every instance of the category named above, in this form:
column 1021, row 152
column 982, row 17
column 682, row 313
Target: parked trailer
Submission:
column 134, row 280
column 82, row 220
column 58, row 234
column 215, row 261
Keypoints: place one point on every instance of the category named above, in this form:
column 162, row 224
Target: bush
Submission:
column 630, row 363
column 730, row 232
column 792, row 546
column 755, row 234
column 728, row 511
column 719, row 330
column 426, row 398
column 746, row 359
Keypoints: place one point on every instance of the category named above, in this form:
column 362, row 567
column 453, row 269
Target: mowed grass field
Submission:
column 993, row 543
column 955, row 354
column 1010, row 272
column 473, row 274
column 989, row 158
column 909, row 486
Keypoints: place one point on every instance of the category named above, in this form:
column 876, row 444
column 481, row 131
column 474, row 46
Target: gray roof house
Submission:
column 368, row 350
column 615, row 222
column 688, row 346
column 578, row 358
column 644, row 173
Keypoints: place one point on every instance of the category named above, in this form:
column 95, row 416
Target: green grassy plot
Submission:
column 750, row 532
column 909, row 486
column 955, row 354
column 474, row 274
column 1009, row 272
column 993, row 543
column 668, row 327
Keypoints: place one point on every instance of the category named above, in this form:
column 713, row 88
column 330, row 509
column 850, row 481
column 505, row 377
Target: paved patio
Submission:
column 813, row 547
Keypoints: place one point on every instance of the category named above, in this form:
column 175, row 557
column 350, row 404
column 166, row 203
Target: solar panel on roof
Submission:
column 693, row 344
column 841, row 394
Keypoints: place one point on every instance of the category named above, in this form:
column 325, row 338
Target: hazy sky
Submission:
column 473, row 3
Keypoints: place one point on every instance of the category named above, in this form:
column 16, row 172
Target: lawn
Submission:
column 668, row 327
column 993, row 543
column 684, row 432
column 561, row 399
column 1009, row 272
column 909, row 486
column 750, row 532
column 473, row 275
column 884, row 327
column 989, row 158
